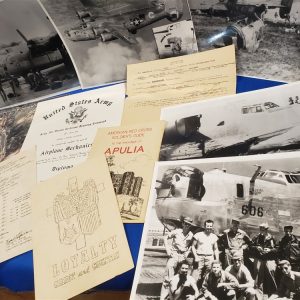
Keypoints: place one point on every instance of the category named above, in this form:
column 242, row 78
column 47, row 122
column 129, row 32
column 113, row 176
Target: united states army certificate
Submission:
column 63, row 129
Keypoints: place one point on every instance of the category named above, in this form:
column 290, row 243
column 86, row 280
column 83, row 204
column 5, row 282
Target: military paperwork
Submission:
column 17, row 179
column 257, row 122
column 79, row 239
column 156, row 84
column 232, row 208
column 131, row 152
column 64, row 129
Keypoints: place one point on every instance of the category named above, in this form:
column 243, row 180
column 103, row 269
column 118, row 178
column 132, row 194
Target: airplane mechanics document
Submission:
column 78, row 238
column 131, row 152
column 17, row 179
column 256, row 122
column 64, row 129
column 156, row 84
column 255, row 191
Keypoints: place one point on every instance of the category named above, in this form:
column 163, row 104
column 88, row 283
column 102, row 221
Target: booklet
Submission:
column 78, row 236
column 131, row 152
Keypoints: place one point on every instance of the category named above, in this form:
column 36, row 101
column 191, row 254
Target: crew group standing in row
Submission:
column 231, row 265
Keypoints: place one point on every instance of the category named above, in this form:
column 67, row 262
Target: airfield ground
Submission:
column 277, row 57
column 25, row 94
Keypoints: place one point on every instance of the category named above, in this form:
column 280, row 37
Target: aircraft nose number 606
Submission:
column 252, row 210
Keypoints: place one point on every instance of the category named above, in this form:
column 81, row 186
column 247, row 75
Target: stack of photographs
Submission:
column 225, row 225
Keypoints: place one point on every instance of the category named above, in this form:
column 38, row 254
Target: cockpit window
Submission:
column 293, row 178
column 252, row 109
column 258, row 108
column 269, row 105
column 271, row 174
column 244, row 110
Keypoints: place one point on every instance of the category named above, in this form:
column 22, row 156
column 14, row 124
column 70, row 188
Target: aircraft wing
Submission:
column 121, row 33
column 286, row 140
column 125, row 37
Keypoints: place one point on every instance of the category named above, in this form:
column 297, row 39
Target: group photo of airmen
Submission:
column 231, row 265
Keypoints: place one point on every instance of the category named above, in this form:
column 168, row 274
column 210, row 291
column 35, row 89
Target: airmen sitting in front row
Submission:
column 256, row 269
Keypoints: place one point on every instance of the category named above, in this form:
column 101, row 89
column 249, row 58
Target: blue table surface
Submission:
column 17, row 273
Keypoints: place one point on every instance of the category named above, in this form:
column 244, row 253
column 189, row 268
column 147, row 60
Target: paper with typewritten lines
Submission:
column 76, row 245
column 156, row 84
column 64, row 129
column 131, row 152
column 15, row 204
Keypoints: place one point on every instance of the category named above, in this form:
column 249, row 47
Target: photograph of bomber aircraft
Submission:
column 238, row 196
column 104, row 36
column 264, row 121
column 266, row 34
column 34, row 63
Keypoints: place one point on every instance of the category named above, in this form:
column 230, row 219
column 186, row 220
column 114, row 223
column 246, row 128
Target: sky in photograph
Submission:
column 25, row 15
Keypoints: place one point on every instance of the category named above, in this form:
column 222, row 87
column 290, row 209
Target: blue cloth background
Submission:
column 17, row 273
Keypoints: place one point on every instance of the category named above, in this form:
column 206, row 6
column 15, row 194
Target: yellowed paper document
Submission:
column 131, row 152
column 78, row 236
column 156, row 84
column 17, row 179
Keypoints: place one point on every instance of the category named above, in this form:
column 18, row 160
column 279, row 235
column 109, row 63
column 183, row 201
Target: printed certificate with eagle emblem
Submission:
column 63, row 129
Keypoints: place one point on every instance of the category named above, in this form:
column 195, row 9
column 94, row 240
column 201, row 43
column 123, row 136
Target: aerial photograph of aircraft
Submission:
column 116, row 32
column 245, row 127
column 34, row 63
column 241, row 194
column 148, row 13
column 264, row 32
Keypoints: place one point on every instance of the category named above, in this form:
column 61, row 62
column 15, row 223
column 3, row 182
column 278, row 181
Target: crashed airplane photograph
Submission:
column 237, row 196
column 258, row 122
column 34, row 63
column 266, row 34
column 107, row 35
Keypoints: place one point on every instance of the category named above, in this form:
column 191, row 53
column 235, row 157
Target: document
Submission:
column 156, row 84
column 17, row 179
column 63, row 129
column 131, row 152
column 79, row 239
column 258, row 195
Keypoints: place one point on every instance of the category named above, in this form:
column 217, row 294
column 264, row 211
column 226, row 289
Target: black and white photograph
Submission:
column 257, row 122
column 266, row 34
column 176, row 39
column 34, row 63
column 104, row 36
column 14, row 125
column 222, row 228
